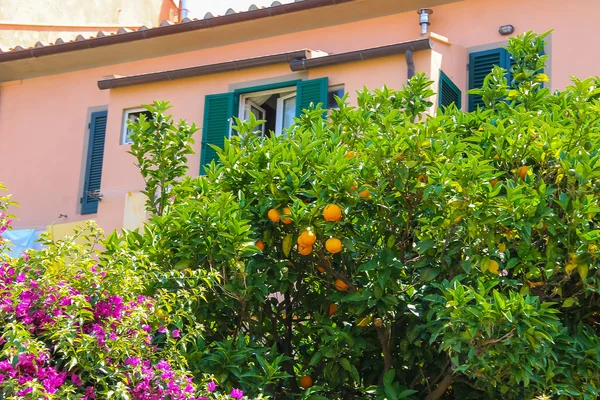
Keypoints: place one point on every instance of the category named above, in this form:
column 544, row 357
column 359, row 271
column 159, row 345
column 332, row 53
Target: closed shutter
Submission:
column 95, row 157
column 313, row 91
column 218, row 110
column 480, row 65
column 448, row 92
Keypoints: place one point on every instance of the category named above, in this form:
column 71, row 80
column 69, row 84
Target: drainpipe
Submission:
column 410, row 63
column 184, row 11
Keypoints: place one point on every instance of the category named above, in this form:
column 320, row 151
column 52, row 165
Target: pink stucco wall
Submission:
column 43, row 121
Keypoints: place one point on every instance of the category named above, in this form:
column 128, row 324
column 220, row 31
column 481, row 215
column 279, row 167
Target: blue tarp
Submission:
column 21, row 240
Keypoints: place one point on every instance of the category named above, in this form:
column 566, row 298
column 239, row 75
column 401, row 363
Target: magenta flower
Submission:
column 211, row 386
column 176, row 333
column 237, row 393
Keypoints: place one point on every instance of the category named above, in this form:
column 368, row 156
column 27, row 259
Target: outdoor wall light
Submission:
column 506, row 30
column 424, row 14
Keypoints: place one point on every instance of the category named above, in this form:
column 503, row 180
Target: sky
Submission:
column 218, row 7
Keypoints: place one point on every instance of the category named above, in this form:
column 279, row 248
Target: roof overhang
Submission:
column 300, row 60
column 196, row 35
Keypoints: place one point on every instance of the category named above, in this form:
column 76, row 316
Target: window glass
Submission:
column 132, row 115
column 336, row 91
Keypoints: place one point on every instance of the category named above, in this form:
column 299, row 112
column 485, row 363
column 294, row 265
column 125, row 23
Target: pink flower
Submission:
column 237, row 393
column 25, row 256
column 176, row 333
column 211, row 386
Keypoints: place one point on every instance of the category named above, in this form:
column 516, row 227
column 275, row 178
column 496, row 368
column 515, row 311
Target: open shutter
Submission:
column 218, row 110
column 480, row 65
column 448, row 92
column 313, row 91
column 93, row 169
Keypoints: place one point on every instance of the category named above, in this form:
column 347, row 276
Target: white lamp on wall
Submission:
column 424, row 14
column 506, row 30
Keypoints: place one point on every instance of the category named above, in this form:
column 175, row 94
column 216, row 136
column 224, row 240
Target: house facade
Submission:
column 63, row 108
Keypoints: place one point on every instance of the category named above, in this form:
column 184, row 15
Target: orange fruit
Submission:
column 333, row 245
column 305, row 250
column 378, row 323
column 354, row 186
column 332, row 213
column 350, row 154
column 287, row 211
column 320, row 269
column 307, row 238
column 522, row 171
column 365, row 194
column 341, row 285
column 260, row 245
column 273, row 215
column 332, row 309
column 423, row 178
column 494, row 182
column 306, row 381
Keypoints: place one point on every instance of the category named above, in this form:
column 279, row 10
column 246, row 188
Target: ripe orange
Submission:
column 332, row 309
column 522, row 171
column 494, row 182
column 320, row 269
column 260, row 245
column 350, row 154
column 307, row 238
column 333, row 245
column 305, row 250
column 287, row 211
column 306, row 382
column 365, row 194
column 378, row 323
column 341, row 285
column 273, row 215
column 332, row 213
column 354, row 186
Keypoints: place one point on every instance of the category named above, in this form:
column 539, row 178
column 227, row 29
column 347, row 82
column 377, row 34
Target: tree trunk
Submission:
column 384, row 339
column 439, row 391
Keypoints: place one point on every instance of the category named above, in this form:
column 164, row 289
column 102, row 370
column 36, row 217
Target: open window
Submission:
column 132, row 114
column 277, row 107
column 277, row 104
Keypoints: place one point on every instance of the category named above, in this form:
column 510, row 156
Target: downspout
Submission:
column 410, row 63
column 184, row 11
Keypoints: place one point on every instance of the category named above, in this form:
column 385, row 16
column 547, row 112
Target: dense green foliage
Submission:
column 469, row 262
column 470, row 246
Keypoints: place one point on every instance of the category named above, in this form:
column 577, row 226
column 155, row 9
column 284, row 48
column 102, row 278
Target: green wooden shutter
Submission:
column 93, row 169
column 448, row 92
column 218, row 110
column 313, row 91
column 480, row 65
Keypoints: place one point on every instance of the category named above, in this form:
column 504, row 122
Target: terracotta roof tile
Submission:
column 123, row 30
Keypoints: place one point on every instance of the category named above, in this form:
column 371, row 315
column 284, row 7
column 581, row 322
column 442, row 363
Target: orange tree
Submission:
column 384, row 253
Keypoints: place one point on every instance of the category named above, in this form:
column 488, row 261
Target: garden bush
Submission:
column 378, row 253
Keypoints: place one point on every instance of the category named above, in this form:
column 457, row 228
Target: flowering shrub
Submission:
column 75, row 328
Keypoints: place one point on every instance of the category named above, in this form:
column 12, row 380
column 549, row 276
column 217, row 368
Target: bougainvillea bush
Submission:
column 75, row 327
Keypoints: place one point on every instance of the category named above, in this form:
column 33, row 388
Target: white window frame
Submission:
column 244, row 98
column 248, row 105
column 124, row 130
column 279, row 113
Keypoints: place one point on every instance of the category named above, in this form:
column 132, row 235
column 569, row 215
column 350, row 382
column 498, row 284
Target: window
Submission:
column 132, row 115
column 277, row 107
column 448, row 92
column 332, row 93
column 278, row 104
column 93, row 168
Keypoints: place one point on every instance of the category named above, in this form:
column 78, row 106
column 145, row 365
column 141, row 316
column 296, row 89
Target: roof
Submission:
column 125, row 35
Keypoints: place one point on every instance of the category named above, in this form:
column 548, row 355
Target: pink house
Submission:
column 64, row 107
